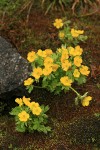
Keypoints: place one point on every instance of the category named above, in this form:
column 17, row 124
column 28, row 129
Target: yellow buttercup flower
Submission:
column 19, row 101
column 58, row 23
column 26, row 101
column 41, row 53
column 76, row 73
column 66, row 65
column 33, row 105
column 86, row 100
column 61, row 34
column 71, row 51
column 63, row 58
column 37, row 111
column 66, row 81
column 55, row 67
column 48, row 61
column 78, row 50
column 47, row 71
column 64, row 55
column 80, row 31
column 37, row 72
column 23, row 116
column 29, row 81
column 76, row 33
column 31, row 56
column 77, row 61
column 84, row 70
column 64, row 49
column 48, row 52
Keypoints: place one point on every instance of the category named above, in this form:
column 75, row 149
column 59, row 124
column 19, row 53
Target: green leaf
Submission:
column 46, row 108
column 20, row 127
column 45, row 83
column 44, row 116
column 44, row 129
column 52, row 75
column 35, row 120
column 35, row 127
column 66, row 88
column 40, row 61
column 82, row 38
column 44, row 79
column 40, row 119
column 54, row 84
column 48, row 128
column 54, row 56
column 30, row 89
column 16, row 110
column 69, row 74
column 81, row 80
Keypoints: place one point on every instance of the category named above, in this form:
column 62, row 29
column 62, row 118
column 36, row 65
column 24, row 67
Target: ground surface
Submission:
column 73, row 128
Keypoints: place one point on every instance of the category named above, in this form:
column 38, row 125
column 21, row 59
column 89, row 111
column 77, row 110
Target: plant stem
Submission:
column 75, row 92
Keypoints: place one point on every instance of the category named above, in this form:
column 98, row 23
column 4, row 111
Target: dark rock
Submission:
column 13, row 68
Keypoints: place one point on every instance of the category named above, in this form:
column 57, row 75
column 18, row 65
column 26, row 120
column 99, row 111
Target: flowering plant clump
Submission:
column 68, row 35
column 61, row 69
column 30, row 116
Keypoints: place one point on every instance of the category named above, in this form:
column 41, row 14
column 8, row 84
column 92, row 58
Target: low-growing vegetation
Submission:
column 61, row 108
